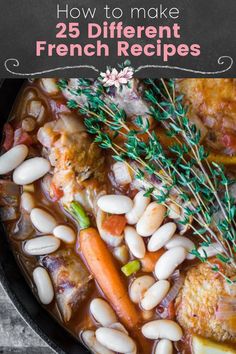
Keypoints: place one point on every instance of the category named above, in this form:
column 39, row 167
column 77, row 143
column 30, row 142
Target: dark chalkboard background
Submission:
column 212, row 23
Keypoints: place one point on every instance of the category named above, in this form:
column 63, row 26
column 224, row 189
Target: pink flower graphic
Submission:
column 115, row 78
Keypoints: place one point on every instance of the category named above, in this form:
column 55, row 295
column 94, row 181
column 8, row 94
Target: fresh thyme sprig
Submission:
column 180, row 173
column 211, row 177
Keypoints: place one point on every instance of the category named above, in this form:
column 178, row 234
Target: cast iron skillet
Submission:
column 11, row 277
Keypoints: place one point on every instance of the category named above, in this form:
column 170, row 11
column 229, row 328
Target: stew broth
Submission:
column 36, row 107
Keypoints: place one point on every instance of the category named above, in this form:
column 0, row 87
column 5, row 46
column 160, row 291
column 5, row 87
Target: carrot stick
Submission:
column 114, row 224
column 103, row 268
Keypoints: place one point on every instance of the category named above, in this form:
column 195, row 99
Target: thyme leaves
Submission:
column 178, row 174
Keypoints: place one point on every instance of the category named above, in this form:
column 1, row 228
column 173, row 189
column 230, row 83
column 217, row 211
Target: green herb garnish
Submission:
column 179, row 173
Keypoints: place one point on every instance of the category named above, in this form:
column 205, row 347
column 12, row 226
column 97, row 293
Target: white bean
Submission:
column 92, row 343
column 151, row 219
column 121, row 253
column 140, row 204
column 182, row 241
column 174, row 211
column 102, row 312
column 42, row 245
column 155, row 294
column 161, row 236
column 139, row 286
column 121, row 173
column 164, row 346
column 27, row 201
column 115, row 340
column 164, row 329
column 31, row 170
column 169, row 261
column 42, row 220
column 119, row 327
column 115, row 204
column 134, row 351
column 134, row 242
column 44, row 285
column 64, row 233
column 13, row 158
column 213, row 249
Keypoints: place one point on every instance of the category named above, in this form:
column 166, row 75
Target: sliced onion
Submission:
column 162, row 312
column 121, row 173
column 46, row 184
column 172, row 294
column 23, row 228
column 176, row 275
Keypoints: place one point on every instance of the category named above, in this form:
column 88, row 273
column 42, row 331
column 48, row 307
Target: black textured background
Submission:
column 212, row 23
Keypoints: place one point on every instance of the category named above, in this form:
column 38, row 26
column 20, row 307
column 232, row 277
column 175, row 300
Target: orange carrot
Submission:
column 149, row 260
column 114, row 224
column 105, row 272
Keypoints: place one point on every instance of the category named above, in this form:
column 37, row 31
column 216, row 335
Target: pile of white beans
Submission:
column 145, row 220
column 41, row 245
column 111, row 336
column 25, row 173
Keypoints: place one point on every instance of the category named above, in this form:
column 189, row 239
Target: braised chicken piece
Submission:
column 212, row 106
column 198, row 304
column 78, row 163
column 71, row 280
column 130, row 98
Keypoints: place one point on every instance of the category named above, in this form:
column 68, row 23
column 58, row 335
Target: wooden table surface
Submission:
column 15, row 335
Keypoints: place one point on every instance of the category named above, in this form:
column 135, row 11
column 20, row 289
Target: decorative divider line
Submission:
column 13, row 62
